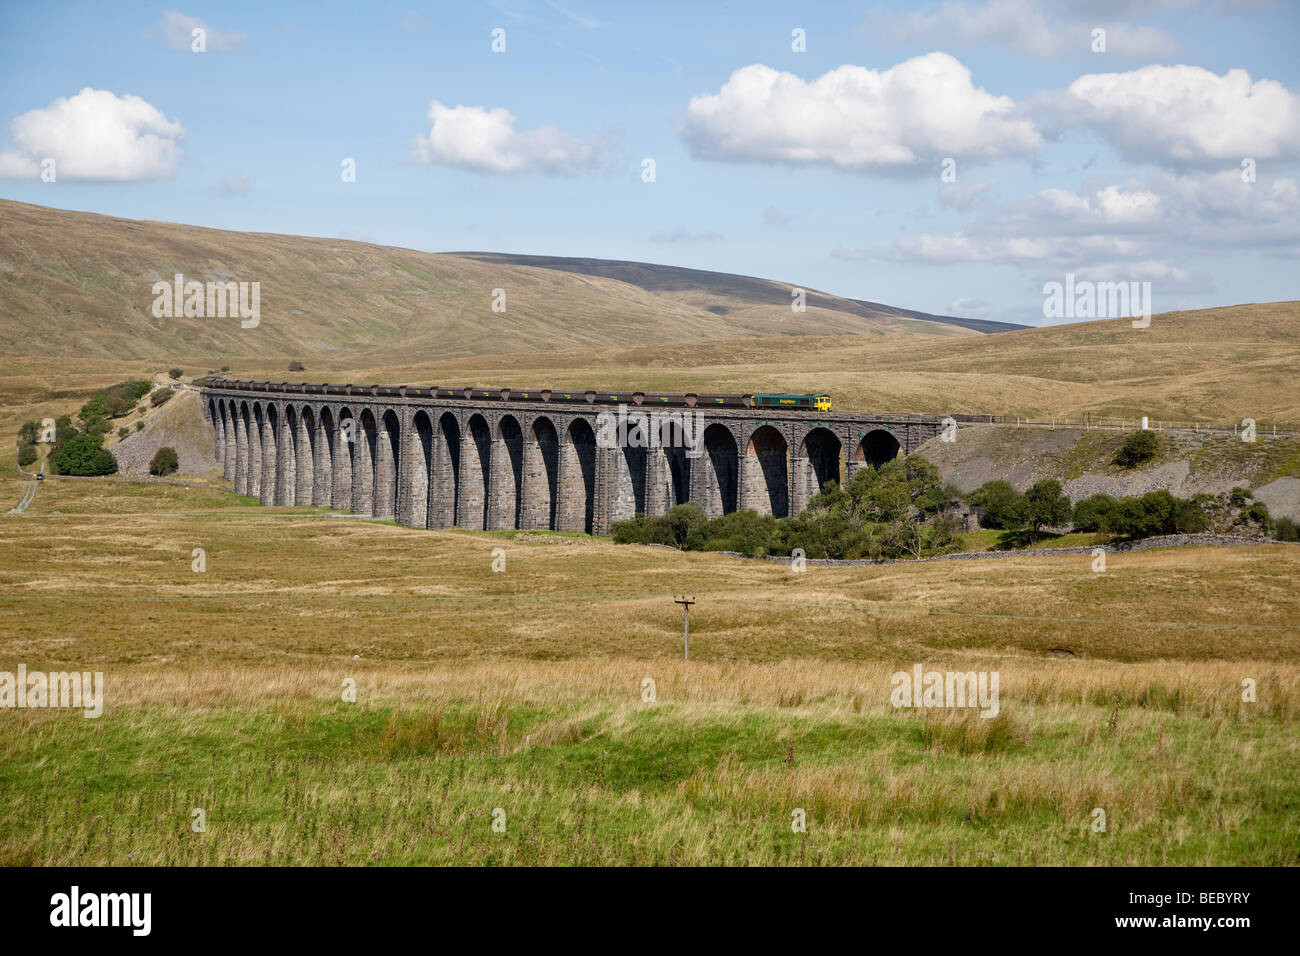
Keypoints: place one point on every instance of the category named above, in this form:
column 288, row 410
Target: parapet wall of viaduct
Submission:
column 441, row 463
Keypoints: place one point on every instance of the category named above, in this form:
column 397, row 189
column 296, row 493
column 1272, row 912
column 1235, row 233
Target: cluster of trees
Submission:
column 906, row 510
column 1044, row 505
column 896, row 512
column 114, row 402
column 1138, row 516
column 74, row 452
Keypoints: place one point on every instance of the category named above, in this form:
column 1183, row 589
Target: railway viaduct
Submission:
column 428, row 462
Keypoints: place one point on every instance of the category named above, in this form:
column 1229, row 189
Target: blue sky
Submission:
column 821, row 167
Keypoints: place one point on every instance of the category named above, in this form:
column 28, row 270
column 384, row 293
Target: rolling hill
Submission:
column 79, row 284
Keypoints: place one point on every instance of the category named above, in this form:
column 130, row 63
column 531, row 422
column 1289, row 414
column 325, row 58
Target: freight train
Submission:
column 771, row 400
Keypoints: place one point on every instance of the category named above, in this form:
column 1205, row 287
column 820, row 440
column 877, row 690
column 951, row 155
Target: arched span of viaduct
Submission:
column 440, row 463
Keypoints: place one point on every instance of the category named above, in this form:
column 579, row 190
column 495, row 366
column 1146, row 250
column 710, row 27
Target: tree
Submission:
column 681, row 520
column 82, row 455
column 165, row 461
column 1137, row 448
column 1046, row 505
column 1094, row 513
column 161, row 396
column 176, row 373
column 1003, row 507
column 26, row 454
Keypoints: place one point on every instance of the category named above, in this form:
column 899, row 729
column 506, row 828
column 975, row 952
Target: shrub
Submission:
column 1047, row 505
column 1284, row 529
column 1094, row 513
column 114, row 402
column 1257, row 514
column 139, row 426
column 83, row 455
column 296, row 366
column 123, row 432
column 1137, row 448
column 26, row 454
column 1157, row 512
column 1003, row 507
column 176, row 373
column 161, row 396
column 165, row 461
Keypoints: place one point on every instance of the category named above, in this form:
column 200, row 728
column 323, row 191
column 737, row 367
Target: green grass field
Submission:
column 525, row 692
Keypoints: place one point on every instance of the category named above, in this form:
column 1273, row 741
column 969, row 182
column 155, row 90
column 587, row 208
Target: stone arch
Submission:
column 388, row 455
column 627, row 464
column 364, row 441
column 218, row 431
column 230, row 460
column 248, row 470
column 507, row 477
column 304, row 457
column 270, row 421
column 877, row 447
column 345, row 442
column 475, row 469
column 323, row 459
column 817, row 462
column 286, row 472
column 668, row 470
column 416, row 469
column 576, row 507
column 541, row 475
column 444, row 483
column 715, row 475
column 764, row 483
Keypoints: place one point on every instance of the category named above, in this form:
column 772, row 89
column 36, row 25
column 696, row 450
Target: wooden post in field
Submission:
column 686, row 603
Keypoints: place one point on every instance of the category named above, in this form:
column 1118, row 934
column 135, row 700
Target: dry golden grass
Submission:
column 1212, row 365
column 525, row 691
column 286, row 582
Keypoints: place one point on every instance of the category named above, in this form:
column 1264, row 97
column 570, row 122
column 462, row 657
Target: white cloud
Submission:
column 1183, row 115
column 1129, row 224
column 94, row 135
column 178, row 32
column 904, row 118
column 1022, row 25
column 472, row 137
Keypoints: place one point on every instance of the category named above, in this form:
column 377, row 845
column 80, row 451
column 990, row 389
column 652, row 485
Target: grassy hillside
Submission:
column 1211, row 365
column 525, row 691
column 80, row 285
